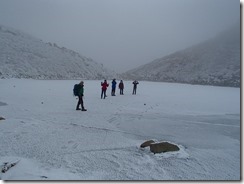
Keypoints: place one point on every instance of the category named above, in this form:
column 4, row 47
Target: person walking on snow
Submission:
column 104, row 88
column 80, row 97
column 113, row 87
column 121, row 87
column 134, row 87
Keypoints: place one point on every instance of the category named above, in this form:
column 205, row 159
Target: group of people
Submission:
column 105, row 86
column 121, row 88
column 104, row 89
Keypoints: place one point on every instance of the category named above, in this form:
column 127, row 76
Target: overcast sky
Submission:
column 121, row 34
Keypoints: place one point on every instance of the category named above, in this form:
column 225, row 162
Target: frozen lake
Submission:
column 50, row 140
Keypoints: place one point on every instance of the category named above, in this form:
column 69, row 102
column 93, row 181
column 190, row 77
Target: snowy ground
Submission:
column 52, row 141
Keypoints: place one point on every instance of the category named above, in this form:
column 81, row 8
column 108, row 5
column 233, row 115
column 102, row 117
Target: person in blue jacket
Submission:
column 113, row 87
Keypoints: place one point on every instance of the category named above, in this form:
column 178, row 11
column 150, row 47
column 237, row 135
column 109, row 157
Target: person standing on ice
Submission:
column 80, row 97
column 121, row 87
column 134, row 87
column 113, row 87
column 104, row 88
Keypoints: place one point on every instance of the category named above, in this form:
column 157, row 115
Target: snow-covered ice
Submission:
column 52, row 141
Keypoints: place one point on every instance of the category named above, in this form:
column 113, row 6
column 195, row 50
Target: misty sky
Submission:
column 121, row 34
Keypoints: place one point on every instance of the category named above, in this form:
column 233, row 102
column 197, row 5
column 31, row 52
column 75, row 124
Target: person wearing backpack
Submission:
column 79, row 91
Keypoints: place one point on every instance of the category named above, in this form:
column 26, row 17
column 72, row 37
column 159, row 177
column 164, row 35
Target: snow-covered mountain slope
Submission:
column 213, row 62
column 23, row 56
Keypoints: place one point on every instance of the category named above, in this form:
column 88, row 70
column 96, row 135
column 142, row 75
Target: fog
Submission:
column 121, row 34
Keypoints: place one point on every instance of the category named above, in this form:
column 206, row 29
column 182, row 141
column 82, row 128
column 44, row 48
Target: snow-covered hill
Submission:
column 23, row 56
column 213, row 62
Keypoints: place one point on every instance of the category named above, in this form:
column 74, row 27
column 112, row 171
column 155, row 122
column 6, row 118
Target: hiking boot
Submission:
column 83, row 109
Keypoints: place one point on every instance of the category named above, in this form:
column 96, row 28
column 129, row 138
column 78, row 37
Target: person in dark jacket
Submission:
column 104, row 88
column 134, row 87
column 121, row 87
column 80, row 96
column 113, row 87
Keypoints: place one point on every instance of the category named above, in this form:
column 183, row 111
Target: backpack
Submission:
column 76, row 89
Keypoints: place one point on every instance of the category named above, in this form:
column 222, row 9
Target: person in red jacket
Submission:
column 121, row 87
column 104, row 88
